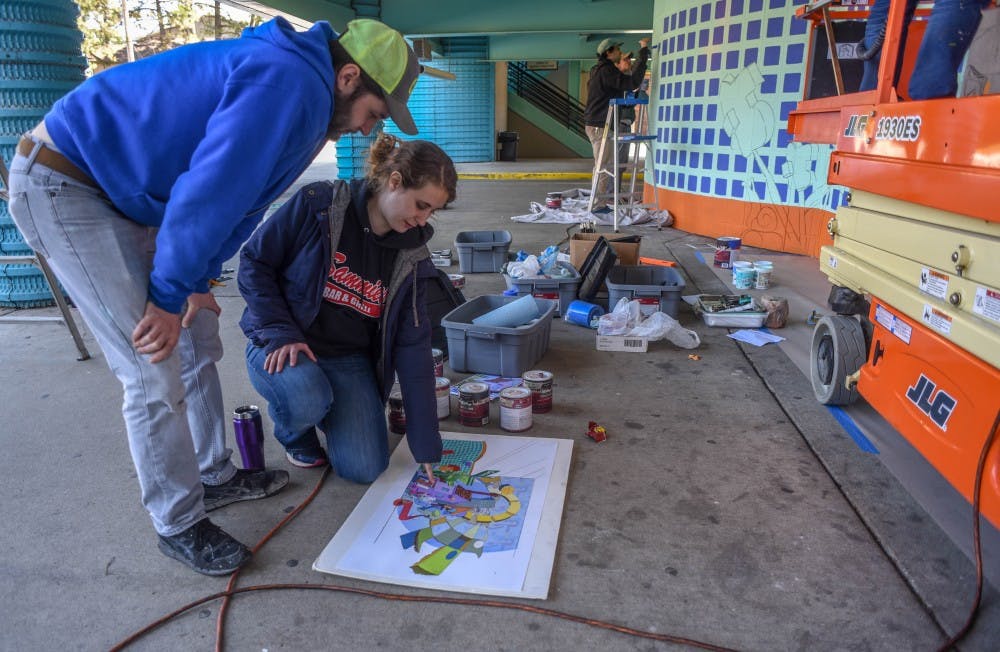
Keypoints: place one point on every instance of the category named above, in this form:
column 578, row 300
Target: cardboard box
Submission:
column 622, row 343
column 581, row 244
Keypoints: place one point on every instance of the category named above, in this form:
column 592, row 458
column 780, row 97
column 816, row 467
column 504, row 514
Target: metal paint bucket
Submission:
column 397, row 418
column 515, row 409
column 438, row 362
column 474, row 404
column 553, row 200
column 540, row 384
column 442, row 392
column 726, row 251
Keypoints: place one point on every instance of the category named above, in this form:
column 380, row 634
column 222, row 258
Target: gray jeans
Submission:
column 604, row 181
column 174, row 413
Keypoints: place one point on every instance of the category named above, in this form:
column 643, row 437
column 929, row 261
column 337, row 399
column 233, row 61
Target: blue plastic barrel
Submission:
column 41, row 61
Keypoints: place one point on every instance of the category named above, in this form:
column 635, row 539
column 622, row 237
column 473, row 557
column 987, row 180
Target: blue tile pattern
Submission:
column 730, row 71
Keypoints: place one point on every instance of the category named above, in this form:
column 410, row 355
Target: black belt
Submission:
column 54, row 160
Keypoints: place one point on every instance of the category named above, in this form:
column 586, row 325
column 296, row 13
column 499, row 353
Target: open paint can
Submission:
column 553, row 200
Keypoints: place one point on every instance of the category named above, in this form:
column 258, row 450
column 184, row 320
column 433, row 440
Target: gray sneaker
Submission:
column 206, row 548
column 245, row 485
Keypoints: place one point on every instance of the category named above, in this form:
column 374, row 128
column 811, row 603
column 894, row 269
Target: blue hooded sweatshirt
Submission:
column 200, row 140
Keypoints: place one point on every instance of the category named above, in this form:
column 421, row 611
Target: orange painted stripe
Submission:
column 792, row 229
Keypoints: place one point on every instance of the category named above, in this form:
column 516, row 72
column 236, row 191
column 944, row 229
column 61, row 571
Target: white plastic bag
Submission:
column 526, row 268
column 620, row 320
column 660, row 325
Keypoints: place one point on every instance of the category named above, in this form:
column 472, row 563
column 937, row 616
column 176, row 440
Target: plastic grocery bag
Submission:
column 626, row 319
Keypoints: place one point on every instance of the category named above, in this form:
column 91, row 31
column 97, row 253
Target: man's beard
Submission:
column 341, row 119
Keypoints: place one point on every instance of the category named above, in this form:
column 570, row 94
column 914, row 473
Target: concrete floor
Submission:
column 726, row 506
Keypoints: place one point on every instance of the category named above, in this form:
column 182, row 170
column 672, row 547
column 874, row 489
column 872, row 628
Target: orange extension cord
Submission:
column 497, row 604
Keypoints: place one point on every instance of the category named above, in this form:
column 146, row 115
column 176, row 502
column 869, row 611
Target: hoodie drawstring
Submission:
column 416, row 319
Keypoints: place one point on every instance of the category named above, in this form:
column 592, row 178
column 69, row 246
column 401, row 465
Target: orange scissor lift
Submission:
column 918, row 248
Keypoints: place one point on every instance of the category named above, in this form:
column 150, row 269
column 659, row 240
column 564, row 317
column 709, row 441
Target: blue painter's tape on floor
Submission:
column 852, row 429
column 700, row 258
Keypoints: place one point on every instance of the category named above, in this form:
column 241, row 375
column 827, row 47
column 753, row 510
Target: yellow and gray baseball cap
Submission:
column 607, row 44
column 382, row 53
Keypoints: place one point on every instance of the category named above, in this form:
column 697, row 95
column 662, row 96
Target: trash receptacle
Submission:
column 508, row 145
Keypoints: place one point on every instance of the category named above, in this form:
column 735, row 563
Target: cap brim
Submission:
column 400, row 114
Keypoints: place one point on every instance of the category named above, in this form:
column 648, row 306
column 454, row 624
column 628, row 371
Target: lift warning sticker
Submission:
column 987, row 304
column 936, row 319
column 934, row 283
column 893, row 324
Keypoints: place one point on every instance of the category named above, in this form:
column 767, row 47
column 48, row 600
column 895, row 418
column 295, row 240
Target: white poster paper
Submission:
column 488, row 523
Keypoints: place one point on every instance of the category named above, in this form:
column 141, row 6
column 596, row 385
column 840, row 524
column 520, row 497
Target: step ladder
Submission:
column 634, row 145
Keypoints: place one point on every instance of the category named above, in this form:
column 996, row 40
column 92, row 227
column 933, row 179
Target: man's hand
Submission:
column 275, row 360
column 196, row 302
column 156, row 333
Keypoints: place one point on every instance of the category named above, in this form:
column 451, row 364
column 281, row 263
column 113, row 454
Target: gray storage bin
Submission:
column 647, row 283
column 562, row 289
column 482, row 251
column 496, row 350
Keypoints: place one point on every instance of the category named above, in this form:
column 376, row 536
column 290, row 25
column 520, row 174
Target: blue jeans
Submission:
column 174, row 414
column 949, row 34
column 339, row 395
column 878, row 16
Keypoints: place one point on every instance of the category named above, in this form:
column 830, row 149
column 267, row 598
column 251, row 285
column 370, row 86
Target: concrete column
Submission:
column 500, row 100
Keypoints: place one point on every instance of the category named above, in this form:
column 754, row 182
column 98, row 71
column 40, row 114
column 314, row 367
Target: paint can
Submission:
column 540, row 384
column 438, row 362
column 457, row 281
column 726, row 250
column 442, row 392
column 515, row 409
column 553, row 200
column 763, row 269
column 743, row 275
column 397, row 418
column 474, row 404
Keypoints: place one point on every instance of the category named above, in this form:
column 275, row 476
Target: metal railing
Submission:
column 547, row 97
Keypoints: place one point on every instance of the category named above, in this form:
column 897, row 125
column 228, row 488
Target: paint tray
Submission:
column 730, row 311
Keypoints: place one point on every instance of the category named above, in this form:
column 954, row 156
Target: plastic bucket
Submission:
column 762, row 279
column 743, row 275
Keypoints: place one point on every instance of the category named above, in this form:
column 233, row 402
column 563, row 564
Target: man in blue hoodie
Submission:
column 142, row 181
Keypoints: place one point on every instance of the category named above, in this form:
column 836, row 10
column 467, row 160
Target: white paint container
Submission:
column 762, row 271
column 743, row 275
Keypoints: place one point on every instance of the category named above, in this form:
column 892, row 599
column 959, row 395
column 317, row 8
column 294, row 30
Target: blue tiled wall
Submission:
column 726, row 74
column 456, row 115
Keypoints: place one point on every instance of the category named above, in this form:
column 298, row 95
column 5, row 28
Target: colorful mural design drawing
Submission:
column 486, row 523
column 458, row 511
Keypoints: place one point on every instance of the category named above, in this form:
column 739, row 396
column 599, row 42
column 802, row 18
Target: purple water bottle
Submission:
column 249, row 436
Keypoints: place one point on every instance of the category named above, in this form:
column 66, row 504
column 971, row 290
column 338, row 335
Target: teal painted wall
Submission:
column 725, row 76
